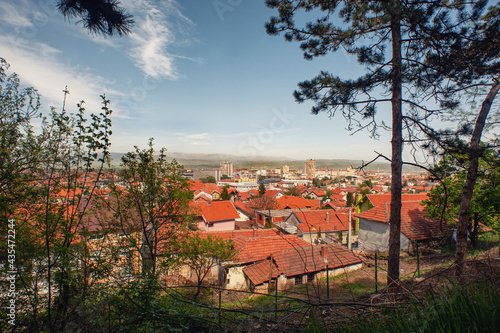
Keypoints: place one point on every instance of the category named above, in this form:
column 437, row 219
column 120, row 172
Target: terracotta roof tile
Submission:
column 259, row 272
column 312, row 259
column 258, row 248
column 327, row 220
column 414, row 224
column 289, row 201
column 217, row 210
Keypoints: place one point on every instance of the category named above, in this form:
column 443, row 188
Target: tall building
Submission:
column 227, row 168
column 286, row 169
column 310, row 168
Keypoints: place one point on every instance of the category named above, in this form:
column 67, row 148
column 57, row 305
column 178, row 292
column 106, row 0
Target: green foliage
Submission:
column 349, row 199
column 201, row 254
column 155, row 202
column 457, row 309
column 445, row 199
column 225, row 194
column 293, row 191
column 98, row 16
column 262, row 189
column 209, row 179
column 225, row 177
column 52, row 179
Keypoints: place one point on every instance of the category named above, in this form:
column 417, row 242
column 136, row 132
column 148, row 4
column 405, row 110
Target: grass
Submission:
column 474, row 308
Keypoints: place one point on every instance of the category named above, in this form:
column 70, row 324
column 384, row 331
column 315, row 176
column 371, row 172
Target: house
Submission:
column 317, row 226
column 272, row 216
column 245, row 212
column 374, row 227
column 215, row 215
column 365, row 202
column 210, row 189
column 368, row 201
column 299, row 265
column 252, row 249
column 291, row 202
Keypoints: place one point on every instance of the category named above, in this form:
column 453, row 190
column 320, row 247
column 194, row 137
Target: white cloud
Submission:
column 158, row 26
column 15, row 15
column 38, row 65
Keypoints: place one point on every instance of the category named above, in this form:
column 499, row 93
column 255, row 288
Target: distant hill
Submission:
column 196, row 161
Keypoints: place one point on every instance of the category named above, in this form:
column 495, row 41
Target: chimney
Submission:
column 255, row 232
column 327, row 217
column 323, row 252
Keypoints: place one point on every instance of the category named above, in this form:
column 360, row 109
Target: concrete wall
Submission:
column 235, row 279
column 374, row 237
column 217, row 226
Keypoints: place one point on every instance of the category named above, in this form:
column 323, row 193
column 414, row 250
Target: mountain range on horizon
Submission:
column 213, row 160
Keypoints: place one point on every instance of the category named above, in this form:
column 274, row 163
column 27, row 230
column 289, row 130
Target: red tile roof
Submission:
column 378, row 199
column 217, row 211
column 226, row 235
column 327, row 220
column 291, row 202
column 414, row 224
column 312, row 259
column 252, row 249
column 243, row 207
column 206, row 187
column 259, row 272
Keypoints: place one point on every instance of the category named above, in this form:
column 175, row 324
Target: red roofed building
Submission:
column 291, row 202
column 300, row 265
column 215, row 216
column 374, row 227
column 310, row 224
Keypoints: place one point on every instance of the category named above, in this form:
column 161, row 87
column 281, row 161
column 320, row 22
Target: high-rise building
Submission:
column 227, row 168
column 310, row 168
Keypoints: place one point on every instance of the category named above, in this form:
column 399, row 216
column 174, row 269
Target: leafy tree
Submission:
column 225, row 194
column 52, row 179
column 317, row 182
column 469, row 67
column 155, row 202
column 294, row 191
column 328, row 194
column 104, row 17
column 262, row 189
column 262, row 203
column 202, row 254
column 390, row 38
column 225, row 177
column 349, row 199
column 209, row 179
column 445, row 199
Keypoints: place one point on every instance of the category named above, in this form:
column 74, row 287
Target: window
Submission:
column 298, row 280
column 310, row 277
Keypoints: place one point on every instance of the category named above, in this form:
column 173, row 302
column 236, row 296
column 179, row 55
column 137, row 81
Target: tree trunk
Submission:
column 397, row 147
column 470, row 181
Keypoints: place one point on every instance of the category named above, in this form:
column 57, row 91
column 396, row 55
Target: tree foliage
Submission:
column 444, row 200
column 394, row 40
column 202, row 254
column 155, row 202
column 225, row 193
column 53, row 175
column 104, row 17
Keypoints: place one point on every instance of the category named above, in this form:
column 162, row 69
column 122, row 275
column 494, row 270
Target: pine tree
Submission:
column 390, row 38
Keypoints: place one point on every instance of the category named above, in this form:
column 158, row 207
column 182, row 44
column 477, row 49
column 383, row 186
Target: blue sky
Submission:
column 199, row 76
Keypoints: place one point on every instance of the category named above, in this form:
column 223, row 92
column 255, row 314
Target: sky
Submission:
column 199, row 76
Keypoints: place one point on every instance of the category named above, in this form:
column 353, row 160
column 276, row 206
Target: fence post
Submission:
column 418, row 260
column 276, row 299
column 220, row 306
column 327, row 285
column 376, row 274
